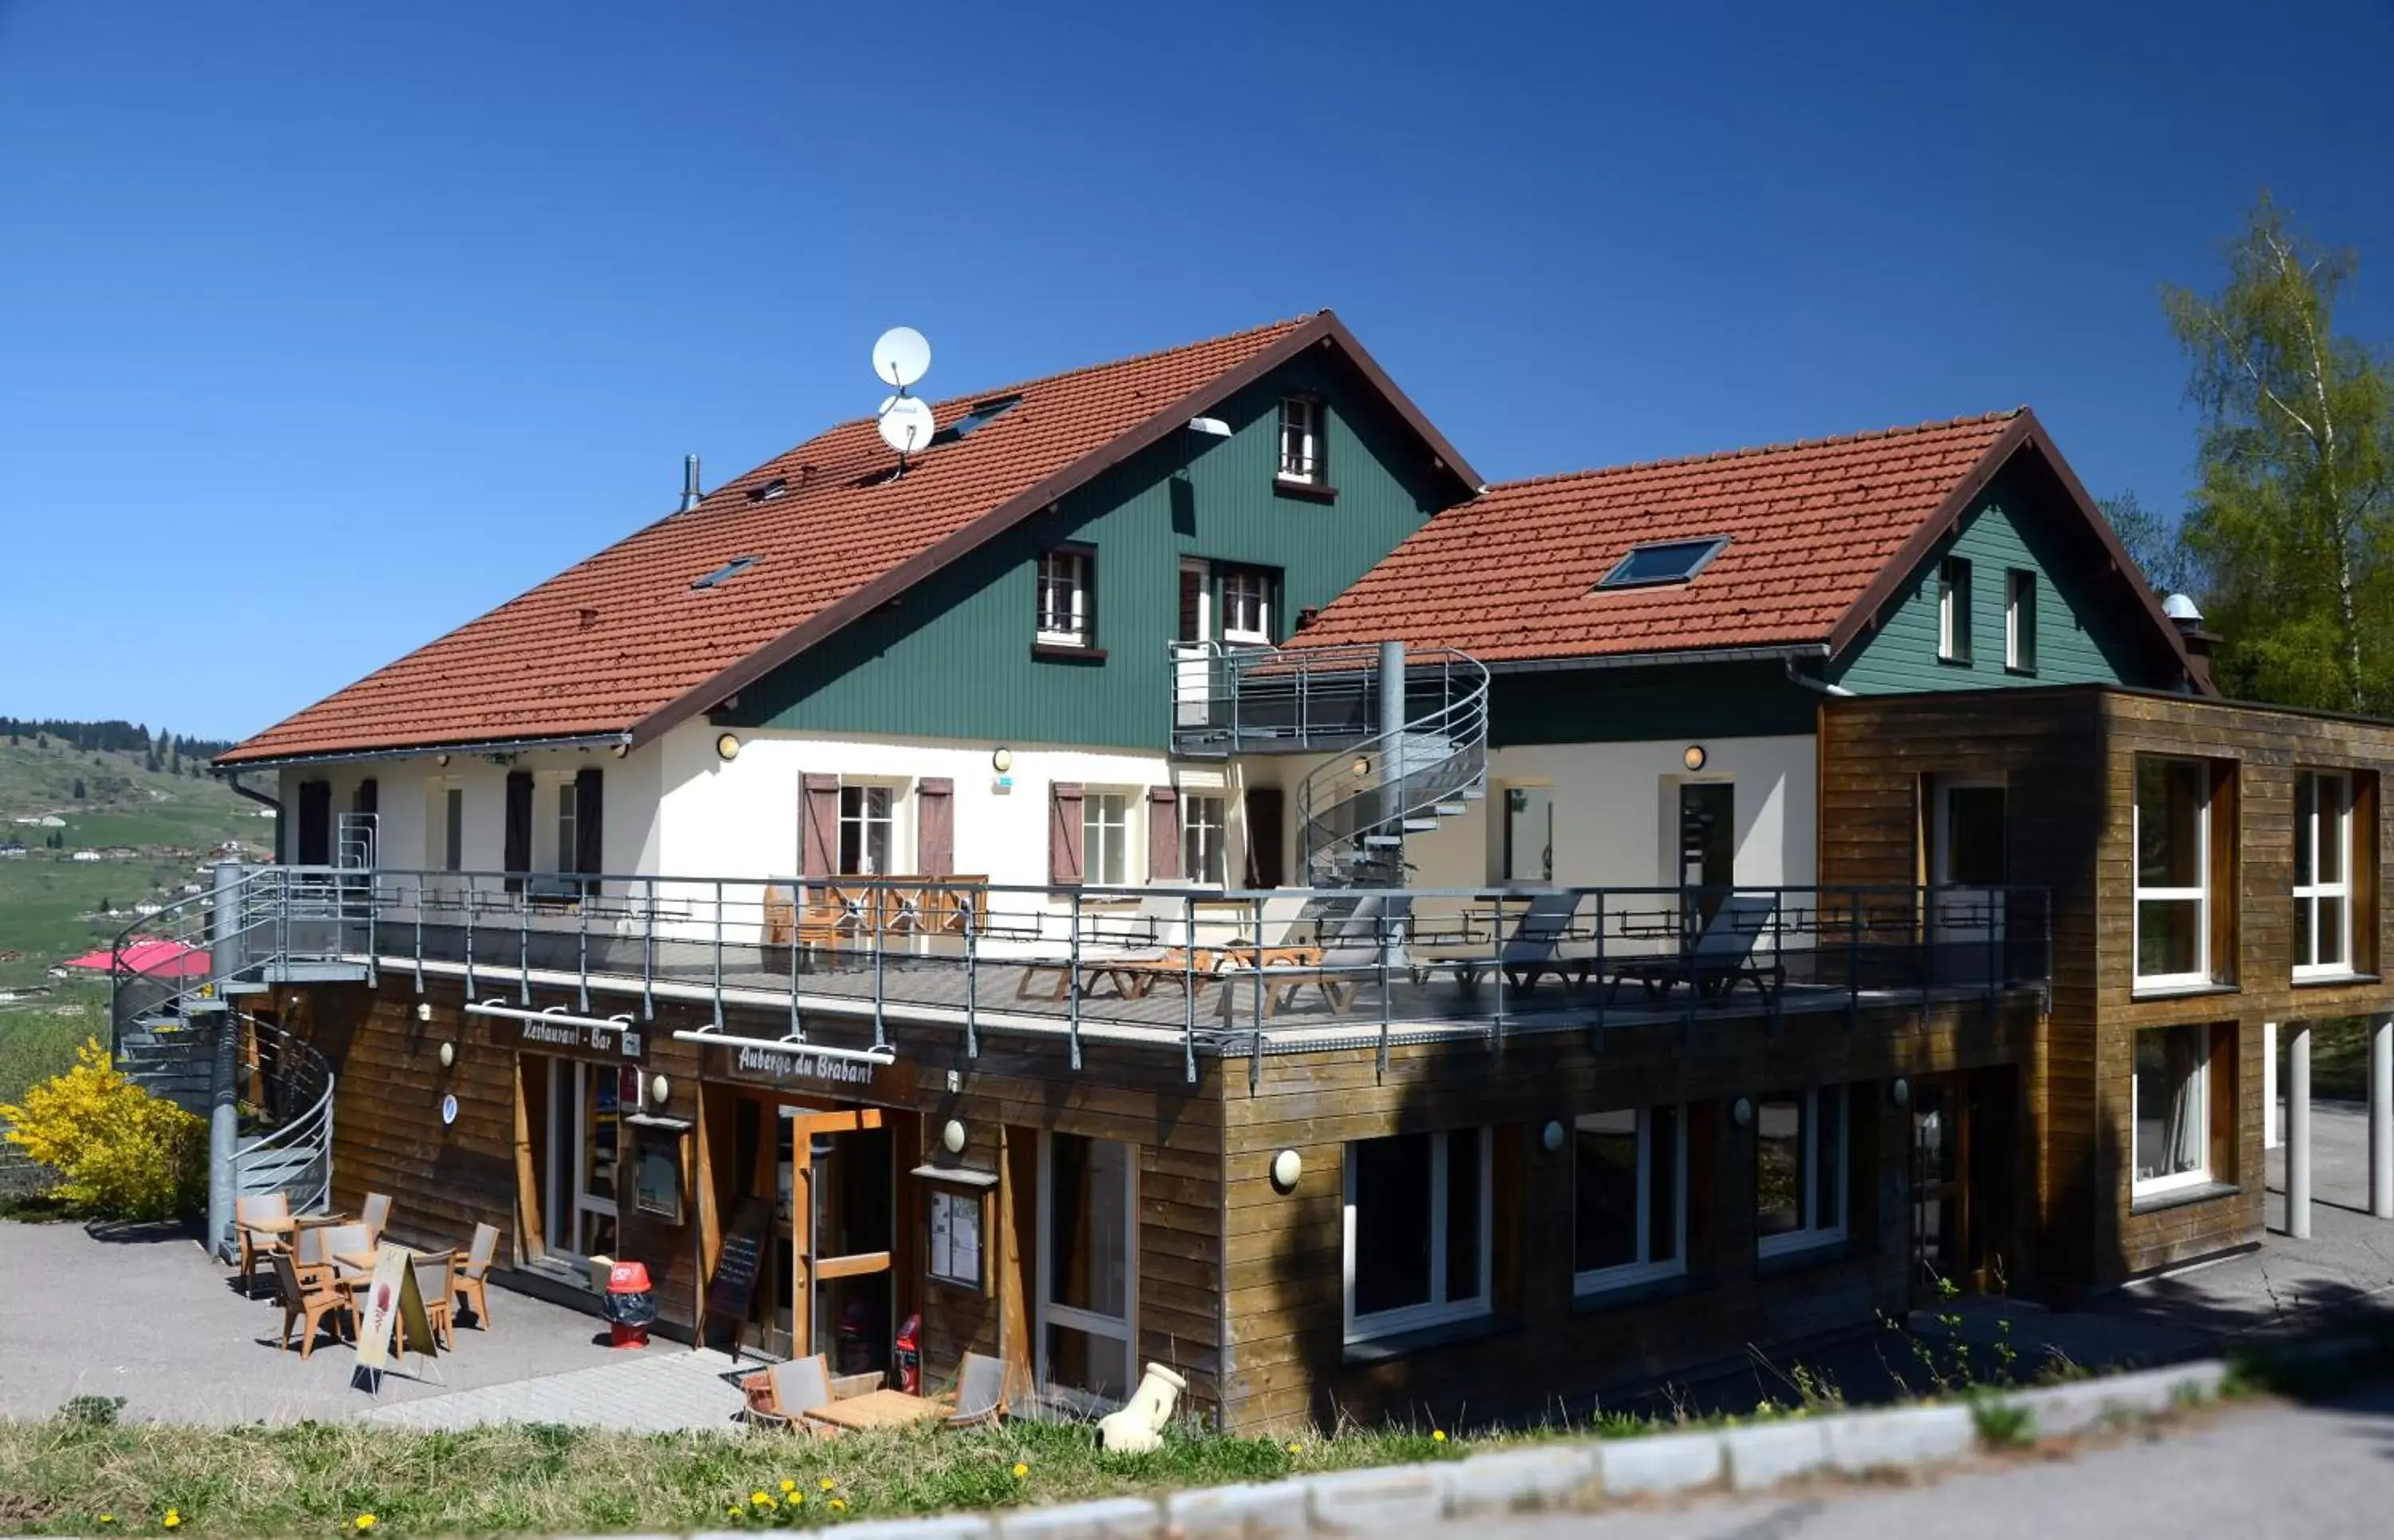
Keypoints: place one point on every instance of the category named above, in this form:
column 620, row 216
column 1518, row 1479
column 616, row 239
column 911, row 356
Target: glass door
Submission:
column 1707, row 847
column 1088, row 1270
column 584, row 1144
column 1968, row 866
column 1192, row 666
column 1941, row 1184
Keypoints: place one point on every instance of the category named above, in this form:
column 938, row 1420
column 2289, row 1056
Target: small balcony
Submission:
column 1197, row 972
column 1229, row 700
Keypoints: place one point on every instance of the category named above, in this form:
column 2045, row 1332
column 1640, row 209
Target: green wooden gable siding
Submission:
column 952, row 658
column 2087, row 631
column 1605, row 706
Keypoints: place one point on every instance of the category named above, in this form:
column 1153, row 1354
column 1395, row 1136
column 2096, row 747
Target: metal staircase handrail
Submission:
column 1337, row 808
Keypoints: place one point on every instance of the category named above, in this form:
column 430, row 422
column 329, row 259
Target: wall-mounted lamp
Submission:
column 1693, row 757
column 1741, row 1112
column 1213, row 427
column 1286, row 1167
column 660, row 1090
column 1899, row 1091
column 1551, row 1136
column 441, row 761
column 623, row 749
column 1363, row 766
column 727, row 746
column 424, row 1010
column 1001, row 760
column 448, row 1055
column 952, row 1136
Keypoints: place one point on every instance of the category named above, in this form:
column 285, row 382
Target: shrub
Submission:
column 124, row 1154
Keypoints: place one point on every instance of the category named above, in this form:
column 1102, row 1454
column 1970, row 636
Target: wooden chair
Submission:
column 981, row 1393
column 309, row 1294
column 253, row 1243
column 470, row 1282
column 436, row 1275
column 782, row 1394
column 375, row 1215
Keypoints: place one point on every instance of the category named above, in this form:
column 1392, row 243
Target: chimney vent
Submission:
column 691, row 495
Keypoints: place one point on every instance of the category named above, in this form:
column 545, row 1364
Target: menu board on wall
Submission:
column 956, row 1238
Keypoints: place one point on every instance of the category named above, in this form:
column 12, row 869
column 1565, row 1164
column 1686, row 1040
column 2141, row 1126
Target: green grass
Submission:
column 63, row 1475
column 39, row 1041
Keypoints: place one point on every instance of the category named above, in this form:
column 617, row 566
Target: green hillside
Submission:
column 53, row 906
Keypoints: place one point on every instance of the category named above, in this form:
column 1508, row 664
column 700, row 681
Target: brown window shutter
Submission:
column 590, row 819
column 935, row 826
column 818, row 825
column 1064, row 834
column 517, row 846
column 315, row 823
column 1163, row 834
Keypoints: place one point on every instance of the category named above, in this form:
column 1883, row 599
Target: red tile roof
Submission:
column 622, row 643
column 1512, row 576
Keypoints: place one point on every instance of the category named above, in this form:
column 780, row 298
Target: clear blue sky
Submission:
column 327, row 327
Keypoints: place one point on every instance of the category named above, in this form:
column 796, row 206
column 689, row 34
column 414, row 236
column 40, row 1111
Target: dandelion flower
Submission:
column 108, row 1517
column 758, row 1497
column 365, row 1521
column 839, row 1505
column 1020, row 1470
column 174, row 1518
column 1437, row 1435
column 1296, row 1448
column 827, row 1484
column 789, row 1486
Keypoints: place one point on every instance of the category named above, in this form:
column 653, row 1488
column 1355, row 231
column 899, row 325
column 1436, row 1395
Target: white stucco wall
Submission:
column 1615, row 811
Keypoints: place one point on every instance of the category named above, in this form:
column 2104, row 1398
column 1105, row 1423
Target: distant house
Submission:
column 145, row 908
column 12, row 849
column 33, row 819
column 190, row 888
column 85, row 855
column 52, row 821
column 117, row 852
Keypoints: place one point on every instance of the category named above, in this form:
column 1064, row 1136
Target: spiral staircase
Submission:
column 179, row 981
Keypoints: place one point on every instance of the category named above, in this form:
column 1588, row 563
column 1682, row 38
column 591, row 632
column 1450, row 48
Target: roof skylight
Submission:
column 724, row 574
column 1663, row 561
column 982, row 414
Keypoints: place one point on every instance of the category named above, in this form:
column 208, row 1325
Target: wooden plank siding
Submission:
column 2068, row 756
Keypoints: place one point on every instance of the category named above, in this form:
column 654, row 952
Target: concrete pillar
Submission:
column 2381, row 1117
column 2270, row 1129
column 224, row 1113
column 2298, row 1130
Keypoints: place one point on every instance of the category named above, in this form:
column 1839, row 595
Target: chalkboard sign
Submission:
column 732, row 1290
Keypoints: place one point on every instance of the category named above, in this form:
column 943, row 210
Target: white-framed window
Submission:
column 567, row 847
column 1105, row 837
column 1087, row 1271
column 1204, row 837
column 2020, row 620
column 1067, row 600
column 1418, row 1231
column 1246, row 606
column 868, row 830
column 2322, row 873
column 1629, row 1197
column 2172, row 840
column 1954, row 609
column 1799, row 1158
column 2171, row 1095
column 1300, row 441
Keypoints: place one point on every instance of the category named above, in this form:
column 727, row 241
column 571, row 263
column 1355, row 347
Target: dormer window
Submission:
column 1301, row 458
column 1663, row 561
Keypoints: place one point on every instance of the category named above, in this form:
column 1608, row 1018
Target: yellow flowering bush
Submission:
column 124, row 1154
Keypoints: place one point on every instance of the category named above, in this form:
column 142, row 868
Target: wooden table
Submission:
column 877, row 1409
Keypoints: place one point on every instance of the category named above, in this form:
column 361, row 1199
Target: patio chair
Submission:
column 307, row 1294
column 1722, row 954
column 256, row 1243
column 980, row 1394
column 331, row 1242
column 470, row 1283
column 782, row 1394
column 436, row 1275
column 375, row 1215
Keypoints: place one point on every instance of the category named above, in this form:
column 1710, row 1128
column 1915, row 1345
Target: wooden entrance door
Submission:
column 833, row 1285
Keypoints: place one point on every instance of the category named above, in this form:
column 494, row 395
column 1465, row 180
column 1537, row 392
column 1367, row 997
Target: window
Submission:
column 2019, row 621
column 1105, row 839
column 730, row 569
column 1629, row 1197
column 982, row 414
column 1088, row 1269
column 1801, row 1170
column 1203, row 853
column 452, row 828
column 1663, row 561
column 2173, row 839
column 1953, row 610
column 1300, row 441
column 1246, row 606
column 2172, row 1094
column 868, row 822
column 1417, row 1230
column 568, row 846
column 1067, row 616
column 2322, row 875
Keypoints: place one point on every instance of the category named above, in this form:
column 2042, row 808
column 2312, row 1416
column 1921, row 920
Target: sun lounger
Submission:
column 1722, row 954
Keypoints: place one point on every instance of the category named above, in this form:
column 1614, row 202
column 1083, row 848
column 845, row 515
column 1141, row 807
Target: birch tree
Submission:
column 2297, row 493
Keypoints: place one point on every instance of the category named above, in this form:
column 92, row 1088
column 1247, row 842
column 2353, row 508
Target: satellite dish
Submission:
column 906, row 424
column 901, row 356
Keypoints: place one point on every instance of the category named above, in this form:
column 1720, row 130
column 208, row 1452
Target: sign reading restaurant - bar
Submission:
column 579, row 1039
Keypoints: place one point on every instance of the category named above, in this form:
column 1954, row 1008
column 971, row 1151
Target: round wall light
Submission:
column 448, row 1054
column 441, row 761
column 1899, row 1092
column 660, row 1090
column 1001, row 760
column 1363, row 766
column 1551, row 1136
column 727, row 746
column 1286, row 1167
column 1693, row 757
column 1741, row 1112
column 952, row 1136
